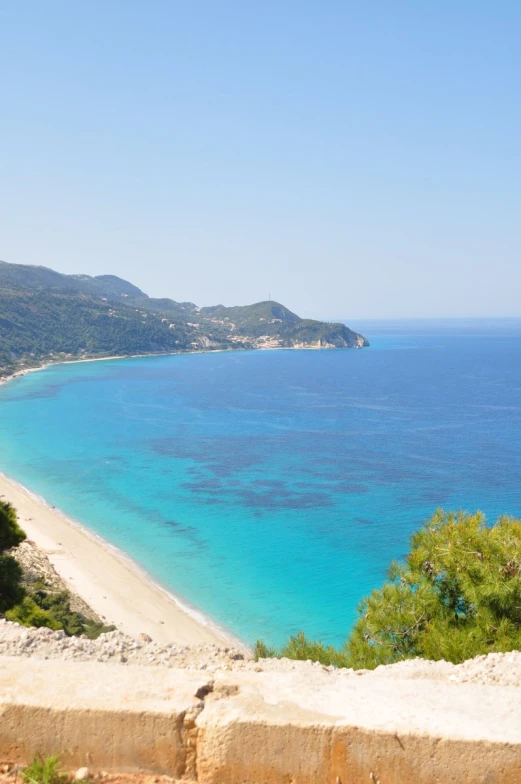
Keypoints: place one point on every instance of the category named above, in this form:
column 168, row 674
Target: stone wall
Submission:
column 260, row 727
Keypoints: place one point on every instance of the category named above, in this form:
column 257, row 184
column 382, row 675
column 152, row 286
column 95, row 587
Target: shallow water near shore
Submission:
column 272, row 488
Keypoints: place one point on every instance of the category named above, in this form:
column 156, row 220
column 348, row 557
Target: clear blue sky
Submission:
column 355, row 159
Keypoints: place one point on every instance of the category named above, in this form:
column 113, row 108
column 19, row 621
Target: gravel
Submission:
column 494, row 669
column 497, row 669
column 113, row 647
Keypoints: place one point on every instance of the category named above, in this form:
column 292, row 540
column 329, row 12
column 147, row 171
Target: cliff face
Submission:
column 316, row 334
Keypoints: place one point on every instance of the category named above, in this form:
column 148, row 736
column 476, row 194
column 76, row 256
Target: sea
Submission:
column 271, row 489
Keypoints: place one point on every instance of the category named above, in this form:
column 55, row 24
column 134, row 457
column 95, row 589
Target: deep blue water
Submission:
column 271, row 489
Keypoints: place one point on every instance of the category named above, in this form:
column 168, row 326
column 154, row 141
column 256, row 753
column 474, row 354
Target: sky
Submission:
column 350, row 159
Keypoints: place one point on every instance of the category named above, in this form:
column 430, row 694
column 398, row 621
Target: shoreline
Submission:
column 24, row 371
column 117, row 588
column 79, row 563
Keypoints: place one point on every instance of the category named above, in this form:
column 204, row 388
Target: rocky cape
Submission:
column 46, row 316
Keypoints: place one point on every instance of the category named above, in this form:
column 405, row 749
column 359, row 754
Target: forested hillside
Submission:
column 45, row 315
column 37, row 325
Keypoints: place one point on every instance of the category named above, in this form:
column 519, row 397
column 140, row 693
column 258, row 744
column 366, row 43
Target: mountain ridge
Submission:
column 50, row 316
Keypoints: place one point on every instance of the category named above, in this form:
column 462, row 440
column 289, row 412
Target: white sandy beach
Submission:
column 24, row 371
column 111, row 584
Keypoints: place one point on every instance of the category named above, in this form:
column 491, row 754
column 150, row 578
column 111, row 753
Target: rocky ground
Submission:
column 117, row 648
column 13, row 774
column 39, row 571
column 502, row 669
column 114, row 648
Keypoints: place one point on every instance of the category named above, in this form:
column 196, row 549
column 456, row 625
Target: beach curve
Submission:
column 109, row 581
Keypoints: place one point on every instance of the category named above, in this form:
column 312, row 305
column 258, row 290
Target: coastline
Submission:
column 106, row 578
column 110, row 582
column 24, row 371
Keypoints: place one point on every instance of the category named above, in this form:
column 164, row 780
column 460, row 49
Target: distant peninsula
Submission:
column 46, row 316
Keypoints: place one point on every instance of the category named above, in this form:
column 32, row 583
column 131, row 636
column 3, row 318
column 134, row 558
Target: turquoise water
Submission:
column 271, row 489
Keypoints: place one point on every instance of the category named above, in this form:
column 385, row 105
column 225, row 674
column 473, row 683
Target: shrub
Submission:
column 27, row 613
column 299, row 647
column 53, row 610
column 10, row 532
column 11, row 535
column 11, row 590
column 44, row 770
column 457, row 595
column 37, row 607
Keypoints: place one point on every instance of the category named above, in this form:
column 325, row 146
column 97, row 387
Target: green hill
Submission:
column 275, row 322
column 253, row 315
column 45, row 279
column 48, row 316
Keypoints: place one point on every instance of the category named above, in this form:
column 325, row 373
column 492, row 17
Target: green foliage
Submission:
column 37, row 607
column 308, row 331
column 10, row 532
column 45, row 315
column 299, row 647
column 53, row 610
column 263, row 651
column 457, row 595
column 38, row 325
column 28, row 613
column 93, row 629
column 11, row 590
column 40, row 278
column 44, row 770
column 267, row 316
column 272, row 318
column 58, row 606
column 11, row 535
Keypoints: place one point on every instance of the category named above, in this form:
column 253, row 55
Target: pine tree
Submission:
column 11, row 535
column 457, row 595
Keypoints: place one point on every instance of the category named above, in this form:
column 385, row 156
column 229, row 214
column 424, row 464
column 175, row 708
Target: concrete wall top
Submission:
column 260, row 728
